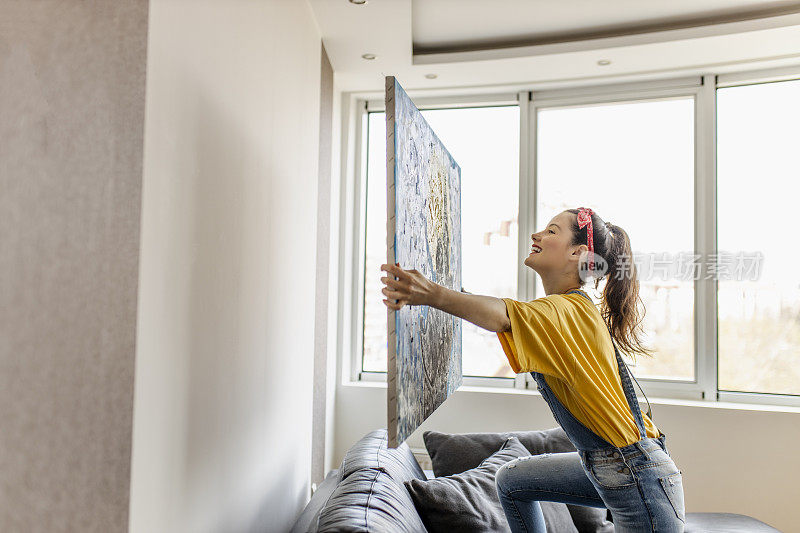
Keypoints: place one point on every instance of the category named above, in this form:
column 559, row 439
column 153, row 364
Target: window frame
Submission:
column 702, row 88
column 364, row 106
column 737, row 79
column 695, row 87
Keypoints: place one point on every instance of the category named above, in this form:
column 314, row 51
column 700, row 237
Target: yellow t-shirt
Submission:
column 564, row 337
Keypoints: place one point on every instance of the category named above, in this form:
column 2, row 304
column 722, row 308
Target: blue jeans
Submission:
column 639, row 483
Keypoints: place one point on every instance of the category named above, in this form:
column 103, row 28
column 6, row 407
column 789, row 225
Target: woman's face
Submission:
column 551, row 251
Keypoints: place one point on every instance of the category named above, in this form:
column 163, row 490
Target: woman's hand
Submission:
column 412, row 288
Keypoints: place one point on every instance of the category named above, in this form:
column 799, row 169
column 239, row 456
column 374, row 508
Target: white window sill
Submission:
column 653, row 400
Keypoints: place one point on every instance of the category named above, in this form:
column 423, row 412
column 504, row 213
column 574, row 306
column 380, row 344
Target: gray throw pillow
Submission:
column 468, row 501
column 452, row 453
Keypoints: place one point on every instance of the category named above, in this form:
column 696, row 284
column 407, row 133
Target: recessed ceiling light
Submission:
column 358, row 2
column 368, row 56
column 430, row 76
column 604, row 62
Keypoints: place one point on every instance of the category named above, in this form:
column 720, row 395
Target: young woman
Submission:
column 566, row 343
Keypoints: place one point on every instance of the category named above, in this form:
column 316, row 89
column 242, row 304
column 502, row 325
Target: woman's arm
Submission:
column 487, row 312
column 413, row 288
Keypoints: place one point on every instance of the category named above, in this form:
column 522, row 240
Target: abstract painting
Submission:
column 423, row 233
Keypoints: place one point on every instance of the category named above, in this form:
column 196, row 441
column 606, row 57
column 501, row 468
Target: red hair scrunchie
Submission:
column 585, row 219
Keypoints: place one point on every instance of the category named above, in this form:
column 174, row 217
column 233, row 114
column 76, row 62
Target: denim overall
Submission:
column 639, row 483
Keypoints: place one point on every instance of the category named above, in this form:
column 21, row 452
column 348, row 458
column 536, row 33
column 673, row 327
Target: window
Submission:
column 485, row 143
column 700, row 171
column 758, row 186
column 633, row 163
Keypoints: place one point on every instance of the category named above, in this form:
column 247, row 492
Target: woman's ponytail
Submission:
column 621, row 308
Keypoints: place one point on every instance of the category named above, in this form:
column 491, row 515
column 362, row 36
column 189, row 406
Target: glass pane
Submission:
column 632, row 163
column 485, row 143
column 758, row 295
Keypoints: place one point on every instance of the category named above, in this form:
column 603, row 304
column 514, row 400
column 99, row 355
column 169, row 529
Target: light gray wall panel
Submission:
column 72, row 94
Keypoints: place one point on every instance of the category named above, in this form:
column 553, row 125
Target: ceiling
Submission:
column 550, row 43
column 442, row 25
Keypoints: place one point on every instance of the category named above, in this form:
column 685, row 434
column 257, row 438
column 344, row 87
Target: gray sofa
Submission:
column 369, row 491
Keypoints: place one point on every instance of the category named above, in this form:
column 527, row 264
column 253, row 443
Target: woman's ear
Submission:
column 577, row 252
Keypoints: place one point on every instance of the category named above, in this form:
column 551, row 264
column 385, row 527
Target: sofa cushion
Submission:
column 370, row 500
column 591, row 519
column 372, row 451
column 725, row 523
column 307, row 521
column 452, row 453
column 469, row 502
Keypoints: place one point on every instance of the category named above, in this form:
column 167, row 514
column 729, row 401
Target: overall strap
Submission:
column 630, row 394
column 627, row 386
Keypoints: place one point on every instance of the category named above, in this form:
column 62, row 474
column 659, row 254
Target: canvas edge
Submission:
column 461, row 278
column 391, row 363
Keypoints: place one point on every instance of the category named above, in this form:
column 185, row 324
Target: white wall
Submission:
column 222, row 408
column 733, row 460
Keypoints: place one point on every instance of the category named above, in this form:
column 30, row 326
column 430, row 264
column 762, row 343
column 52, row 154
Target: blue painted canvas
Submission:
column 424, row 233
